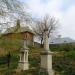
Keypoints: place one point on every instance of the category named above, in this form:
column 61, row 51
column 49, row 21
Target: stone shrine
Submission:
column 23, row 62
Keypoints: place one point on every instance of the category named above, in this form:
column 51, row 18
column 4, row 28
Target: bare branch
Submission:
column 48, row 23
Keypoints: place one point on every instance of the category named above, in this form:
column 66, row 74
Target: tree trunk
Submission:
column 41, row 43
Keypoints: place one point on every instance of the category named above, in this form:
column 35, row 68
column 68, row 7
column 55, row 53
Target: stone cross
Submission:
column 46, row 55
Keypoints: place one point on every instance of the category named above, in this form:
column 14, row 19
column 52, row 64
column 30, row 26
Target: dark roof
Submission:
column 19, row 30
column 61, row 40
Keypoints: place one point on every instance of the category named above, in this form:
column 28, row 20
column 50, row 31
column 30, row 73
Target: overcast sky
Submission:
column 64, row 10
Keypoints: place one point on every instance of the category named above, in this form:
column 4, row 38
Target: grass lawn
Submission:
column 63, row 61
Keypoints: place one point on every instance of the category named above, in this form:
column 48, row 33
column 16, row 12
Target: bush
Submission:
column 65, row 64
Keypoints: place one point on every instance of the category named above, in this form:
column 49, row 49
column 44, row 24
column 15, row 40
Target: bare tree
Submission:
column 10, row 11
column 47, row 23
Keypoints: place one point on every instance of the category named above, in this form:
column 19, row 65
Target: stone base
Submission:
column 46, row 62
column 50, row 72
column 46, row 72
column 23, row 65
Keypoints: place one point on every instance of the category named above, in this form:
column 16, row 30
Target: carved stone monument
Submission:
column 23, row 62
column 46, row 56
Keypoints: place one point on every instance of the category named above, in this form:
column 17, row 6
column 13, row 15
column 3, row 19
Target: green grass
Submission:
column 63, row 61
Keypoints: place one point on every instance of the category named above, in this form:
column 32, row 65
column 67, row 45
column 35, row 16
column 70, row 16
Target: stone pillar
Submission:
column 46, row 56
column 46, row 41
column 23, row 62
